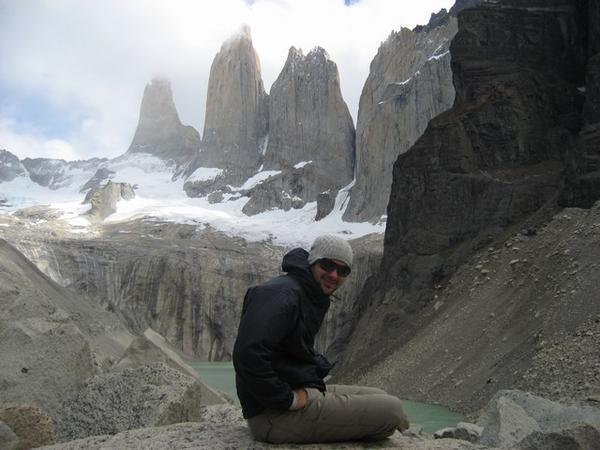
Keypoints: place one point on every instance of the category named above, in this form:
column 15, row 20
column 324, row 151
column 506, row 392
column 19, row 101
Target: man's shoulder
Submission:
column 283, row 285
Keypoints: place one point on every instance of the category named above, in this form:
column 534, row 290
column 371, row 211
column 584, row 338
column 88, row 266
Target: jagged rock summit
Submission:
column 235, row 127
column 159, row 131
column 311, row 134
column 409, row 83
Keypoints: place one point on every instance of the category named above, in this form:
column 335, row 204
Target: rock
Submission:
column 40, row 318
column 10, row 166
column 159, row 131
column 311, row 134
column 151, row 346
column 8, row 439
column 103, row 174
column 415, row 431
column 104, row 199
column 32, row 426
column 580, row 437
column 57, row 173
column 463, row 431
column 184, row 281
column 236, row 121
column 150, row 395
column 325, row 204
column 409, row 83
column 521, row 420
column 222, row 427
column 490, row 162
column 38, row 213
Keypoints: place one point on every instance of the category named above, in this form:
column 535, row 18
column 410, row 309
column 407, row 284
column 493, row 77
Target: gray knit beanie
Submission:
column 330, row 247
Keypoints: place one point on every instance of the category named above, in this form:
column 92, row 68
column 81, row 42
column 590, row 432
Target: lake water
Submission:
column 220, row 375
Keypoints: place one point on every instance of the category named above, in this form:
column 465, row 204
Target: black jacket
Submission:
column 273, row 353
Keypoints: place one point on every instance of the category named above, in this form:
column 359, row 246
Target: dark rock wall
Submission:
column 497, row 157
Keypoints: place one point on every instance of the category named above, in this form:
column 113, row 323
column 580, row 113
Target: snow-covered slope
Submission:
column 160, row 196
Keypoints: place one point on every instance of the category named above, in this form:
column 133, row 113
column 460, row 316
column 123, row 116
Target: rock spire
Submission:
column 235, row 127
column 159, row 131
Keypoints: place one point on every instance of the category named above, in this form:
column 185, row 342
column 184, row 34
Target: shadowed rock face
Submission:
column 409, row 83
column 10, row 166
column 493, row 160
column 310, row 133
column 236, row 109
column 159, row 131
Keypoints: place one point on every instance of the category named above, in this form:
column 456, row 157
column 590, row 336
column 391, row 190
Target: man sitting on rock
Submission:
column 280, row 378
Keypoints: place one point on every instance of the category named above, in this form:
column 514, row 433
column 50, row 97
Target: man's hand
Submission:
column 301, row 397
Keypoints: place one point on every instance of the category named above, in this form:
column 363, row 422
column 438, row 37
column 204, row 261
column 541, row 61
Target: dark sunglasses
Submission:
column 328, row 265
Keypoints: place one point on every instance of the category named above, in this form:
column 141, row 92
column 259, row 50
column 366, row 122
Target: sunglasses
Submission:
column 328, row 265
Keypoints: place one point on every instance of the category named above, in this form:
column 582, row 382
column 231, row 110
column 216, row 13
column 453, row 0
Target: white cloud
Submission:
column 95, row 57
column 32, row 145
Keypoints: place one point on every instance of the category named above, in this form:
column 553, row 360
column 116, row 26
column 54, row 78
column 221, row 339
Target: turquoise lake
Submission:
column 220, row 375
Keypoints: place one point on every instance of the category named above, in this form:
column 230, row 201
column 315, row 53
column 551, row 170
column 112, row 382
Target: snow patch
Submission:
column 256, row 179
column 302, row 164
column 205, row 174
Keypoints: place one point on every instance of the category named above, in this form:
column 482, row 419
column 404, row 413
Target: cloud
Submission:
column 92, row 59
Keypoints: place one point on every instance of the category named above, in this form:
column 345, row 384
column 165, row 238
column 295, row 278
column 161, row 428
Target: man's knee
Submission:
column 393, row 413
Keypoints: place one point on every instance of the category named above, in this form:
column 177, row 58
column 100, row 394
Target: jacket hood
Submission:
column 295, row 263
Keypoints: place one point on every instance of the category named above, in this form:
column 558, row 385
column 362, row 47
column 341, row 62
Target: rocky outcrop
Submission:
column 311, row 134
column 58, row 173
column 235, row 128
column 10, row 166
column 104, row 199
column 39, row 319
column 150, row 395
column 159, row 131
column 519, row 420
column 31, row 427
column 493, row 161
column 409, row 83
column 222, row 427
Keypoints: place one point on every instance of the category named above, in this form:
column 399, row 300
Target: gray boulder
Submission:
column 222, row 427
column 516, row 419
column 104, row 199
column 159, row 131
column 8, row 439
column 24, row 427
column 463, row 430
column 151, row 395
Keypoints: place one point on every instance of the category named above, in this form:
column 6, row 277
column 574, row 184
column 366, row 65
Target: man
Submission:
column 279, row 375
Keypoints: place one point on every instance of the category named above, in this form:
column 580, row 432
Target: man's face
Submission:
column 328, row 278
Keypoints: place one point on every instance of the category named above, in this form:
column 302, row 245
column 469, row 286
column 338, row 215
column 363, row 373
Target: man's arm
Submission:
column 267, row 319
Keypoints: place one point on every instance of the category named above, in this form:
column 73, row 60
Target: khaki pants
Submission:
column 342, row 413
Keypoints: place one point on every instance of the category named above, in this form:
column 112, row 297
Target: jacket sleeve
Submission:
column 266, row 320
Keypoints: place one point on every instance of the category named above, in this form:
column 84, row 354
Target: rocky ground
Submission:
column 522, row 312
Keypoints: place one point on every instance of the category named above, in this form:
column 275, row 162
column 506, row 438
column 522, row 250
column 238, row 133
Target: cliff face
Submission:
column 186, row 284
column 311, row 134
column 236, row 122
column 10, row 166
column 493, row 161
column 159, row 131
column 409, row 83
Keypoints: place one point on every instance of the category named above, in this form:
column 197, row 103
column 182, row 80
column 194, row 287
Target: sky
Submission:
column 72, row 72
